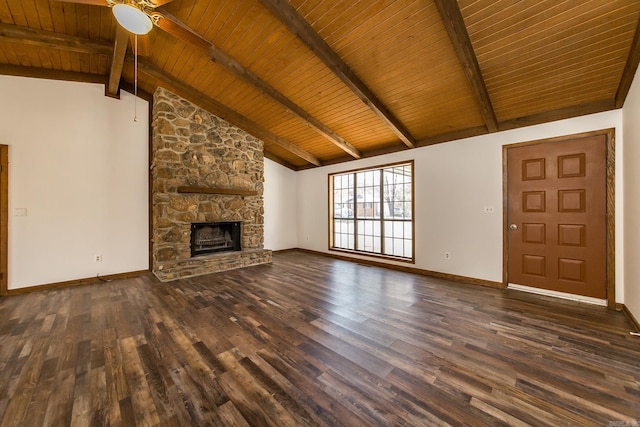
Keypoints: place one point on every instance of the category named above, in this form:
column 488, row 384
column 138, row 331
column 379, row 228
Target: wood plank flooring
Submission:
column 311, row 340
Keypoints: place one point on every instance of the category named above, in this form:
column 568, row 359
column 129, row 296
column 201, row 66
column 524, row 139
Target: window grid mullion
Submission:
column 382, row 217
column 355, row 211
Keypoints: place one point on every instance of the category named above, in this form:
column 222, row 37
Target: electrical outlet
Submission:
column 447, row 255
column 489, row 210
column 97, row 258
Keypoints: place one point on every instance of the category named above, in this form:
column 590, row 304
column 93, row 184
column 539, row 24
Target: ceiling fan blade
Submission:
column 177, row 29
column 91, row 2
column 144, row 45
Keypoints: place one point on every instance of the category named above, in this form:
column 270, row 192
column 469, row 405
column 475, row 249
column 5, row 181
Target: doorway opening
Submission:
column 4, row 216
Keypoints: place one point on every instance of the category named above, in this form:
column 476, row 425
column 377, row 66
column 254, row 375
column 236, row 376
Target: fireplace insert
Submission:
column 209, row 237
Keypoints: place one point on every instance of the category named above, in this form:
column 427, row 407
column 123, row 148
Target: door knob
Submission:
column 513, row 227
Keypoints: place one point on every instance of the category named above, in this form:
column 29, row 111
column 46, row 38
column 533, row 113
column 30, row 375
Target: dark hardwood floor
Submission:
column 310, row 340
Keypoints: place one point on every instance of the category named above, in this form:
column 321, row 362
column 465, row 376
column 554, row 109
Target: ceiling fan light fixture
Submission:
column 132, row 19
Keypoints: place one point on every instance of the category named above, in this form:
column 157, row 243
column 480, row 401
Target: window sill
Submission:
column 374, row 255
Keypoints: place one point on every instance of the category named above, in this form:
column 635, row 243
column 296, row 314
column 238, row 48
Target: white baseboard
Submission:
column 556, row 294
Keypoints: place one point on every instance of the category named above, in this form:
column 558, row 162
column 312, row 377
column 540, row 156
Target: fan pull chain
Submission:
column 135, row 79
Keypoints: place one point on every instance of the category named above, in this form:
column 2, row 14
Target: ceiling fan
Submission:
column 138, row 18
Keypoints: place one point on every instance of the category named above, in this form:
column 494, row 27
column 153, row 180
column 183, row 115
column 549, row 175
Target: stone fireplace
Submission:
column 203, row 170
column 210, row 237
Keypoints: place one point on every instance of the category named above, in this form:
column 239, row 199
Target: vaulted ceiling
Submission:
column 325, row 81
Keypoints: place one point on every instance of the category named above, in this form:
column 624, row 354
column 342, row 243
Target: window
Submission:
column 371, row 211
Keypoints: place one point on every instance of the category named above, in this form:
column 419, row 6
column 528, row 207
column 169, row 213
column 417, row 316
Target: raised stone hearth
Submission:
column 192, row 148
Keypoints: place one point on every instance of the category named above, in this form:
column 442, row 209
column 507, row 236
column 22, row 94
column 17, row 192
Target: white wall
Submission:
column 631, row 117
column 78, row 165
column 81, row 173
column 280, row 207
column 454, row 182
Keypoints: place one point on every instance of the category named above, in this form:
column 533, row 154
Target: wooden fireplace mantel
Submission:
column 215, row 190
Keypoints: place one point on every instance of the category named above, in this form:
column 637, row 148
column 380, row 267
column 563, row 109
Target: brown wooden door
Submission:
column 4, row 215
column 556, row 216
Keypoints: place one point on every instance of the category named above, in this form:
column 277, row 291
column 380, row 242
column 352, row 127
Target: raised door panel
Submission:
column 557, row 205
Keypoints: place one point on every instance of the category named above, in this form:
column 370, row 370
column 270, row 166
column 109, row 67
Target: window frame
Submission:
column 381, row 219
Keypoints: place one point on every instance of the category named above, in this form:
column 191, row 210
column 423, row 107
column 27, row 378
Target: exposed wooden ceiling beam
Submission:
column 117, row 61
column 53, row 40
column 144, row 44
column 177, row 29
column 43, row 73
column 629, row 70
column 305, row 32
column 559, row 114
column 223, row 111
column 454, row 23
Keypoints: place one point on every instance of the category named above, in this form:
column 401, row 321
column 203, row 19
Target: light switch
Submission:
column 20, row 211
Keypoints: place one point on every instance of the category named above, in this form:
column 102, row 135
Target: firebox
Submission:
column 208, row 237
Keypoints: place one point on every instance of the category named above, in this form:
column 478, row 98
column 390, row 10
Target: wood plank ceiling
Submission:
column 325, row 81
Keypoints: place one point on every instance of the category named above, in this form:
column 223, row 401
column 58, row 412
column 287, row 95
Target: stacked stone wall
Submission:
column 192, row 147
